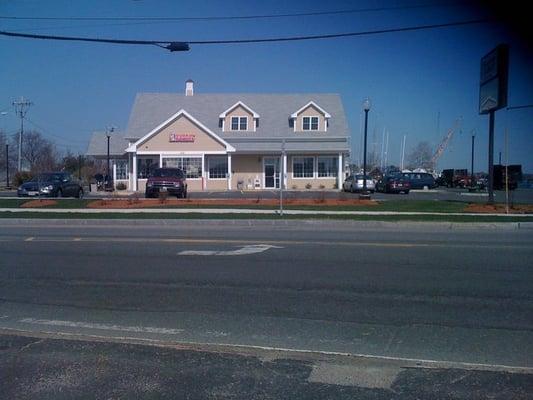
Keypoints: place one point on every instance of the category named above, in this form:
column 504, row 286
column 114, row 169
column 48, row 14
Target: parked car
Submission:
column 170, row 180
column 52, row 184
column 393, row 184
column 420, row 180
column 354, row 183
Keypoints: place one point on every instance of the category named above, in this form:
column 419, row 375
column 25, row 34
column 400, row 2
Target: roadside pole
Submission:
column 490, row 186
column 282, row 177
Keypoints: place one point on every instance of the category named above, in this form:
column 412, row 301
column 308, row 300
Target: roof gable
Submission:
column 182, row 112
column 239, row 103
column 311, row 103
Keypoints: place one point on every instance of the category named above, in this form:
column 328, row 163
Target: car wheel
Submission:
column 406, row 192
column 59, row 193
column 352, row 189
column 184, row 194
column 80, row 194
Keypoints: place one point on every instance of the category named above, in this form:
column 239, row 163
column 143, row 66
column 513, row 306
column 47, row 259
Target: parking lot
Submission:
column 518, row 196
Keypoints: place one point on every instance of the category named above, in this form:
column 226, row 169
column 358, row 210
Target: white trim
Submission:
column 329, row 156
column 178, row 153
column 195, row 155
column 174, row 117
column 303, row 177
column 134, row 161
column 311, row 123
column 239, row 124
column 340, row 172
column 209, row 174
column 311, row 103
column 274, row 157
column 229, row 171
column 239, row 103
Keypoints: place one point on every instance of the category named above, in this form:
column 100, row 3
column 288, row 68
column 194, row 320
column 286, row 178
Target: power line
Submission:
column 184, row 45
column 233, row 17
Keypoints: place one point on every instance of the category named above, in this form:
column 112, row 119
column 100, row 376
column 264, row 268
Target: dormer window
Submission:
column 310, row 123
column 239, row 123
column 310, row 117
column 239, row 117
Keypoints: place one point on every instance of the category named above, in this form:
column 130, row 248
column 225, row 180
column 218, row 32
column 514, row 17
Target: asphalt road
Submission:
column 461, row 294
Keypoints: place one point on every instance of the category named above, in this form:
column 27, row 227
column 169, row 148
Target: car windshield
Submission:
column 361, row 177
column 168, row 173
column 48, row 177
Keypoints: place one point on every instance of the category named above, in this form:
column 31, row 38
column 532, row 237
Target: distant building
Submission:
column 231, row 141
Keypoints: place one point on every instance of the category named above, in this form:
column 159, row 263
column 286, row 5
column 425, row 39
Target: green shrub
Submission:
column 308, row 186
column 121, row 186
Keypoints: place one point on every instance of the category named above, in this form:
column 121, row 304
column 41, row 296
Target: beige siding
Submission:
column 217, row 184
column 246, row 168
column 194, row 185
column 239, row 111
column 310, row 111
column 182, row 126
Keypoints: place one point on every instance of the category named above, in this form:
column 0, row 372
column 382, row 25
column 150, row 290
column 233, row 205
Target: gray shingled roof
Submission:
column 98, row 144
column 151, row 109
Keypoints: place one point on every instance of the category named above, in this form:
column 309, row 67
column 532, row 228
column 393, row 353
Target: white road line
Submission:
column 107, row 327
column 419, row 362
column 29, row 239
column 250, row 249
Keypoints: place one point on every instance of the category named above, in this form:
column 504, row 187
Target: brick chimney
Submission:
column 189, row 87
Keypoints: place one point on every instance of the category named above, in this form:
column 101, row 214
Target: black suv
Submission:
column 169, row 180
column 53, row 184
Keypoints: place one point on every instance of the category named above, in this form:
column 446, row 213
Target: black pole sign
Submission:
column 493, row 96
column 493, row 80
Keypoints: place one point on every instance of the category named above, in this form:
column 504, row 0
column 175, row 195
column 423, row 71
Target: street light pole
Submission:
column 366, row 108
column 108, row 134
column 472, row 165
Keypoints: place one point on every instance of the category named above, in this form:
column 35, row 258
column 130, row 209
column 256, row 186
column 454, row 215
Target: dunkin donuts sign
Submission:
column 174, row 137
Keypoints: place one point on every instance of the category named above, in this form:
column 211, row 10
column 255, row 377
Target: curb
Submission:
column 288, row 223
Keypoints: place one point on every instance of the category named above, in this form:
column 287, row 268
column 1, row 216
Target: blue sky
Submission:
column 419, row 82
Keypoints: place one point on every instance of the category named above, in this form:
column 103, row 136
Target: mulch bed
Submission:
column 151, row 203
column 38, row 203
column 498, row 208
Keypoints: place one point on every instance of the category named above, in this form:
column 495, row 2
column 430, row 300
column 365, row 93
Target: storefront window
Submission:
column 302, row 167
column 145, row 167
column 327, row 167
column 122, row 169
column 218, row 167
column 192, row 166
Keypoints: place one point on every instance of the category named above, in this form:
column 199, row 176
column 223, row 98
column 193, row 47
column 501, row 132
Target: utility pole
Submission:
column 403, row 151
column 7, row 167
column 21, row 108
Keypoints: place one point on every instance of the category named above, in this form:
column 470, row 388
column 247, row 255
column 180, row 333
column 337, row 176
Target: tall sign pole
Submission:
column 493, row 96
column 21, row 108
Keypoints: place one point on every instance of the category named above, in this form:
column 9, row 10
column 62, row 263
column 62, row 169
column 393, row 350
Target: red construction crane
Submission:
column 442, row 146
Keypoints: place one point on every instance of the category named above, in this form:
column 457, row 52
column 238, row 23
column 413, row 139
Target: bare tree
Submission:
column 38, row 153
column 420, row 156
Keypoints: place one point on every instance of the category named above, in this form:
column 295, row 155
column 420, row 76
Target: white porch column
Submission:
column 130, row 172
column 229, row 171
column 340, row 173
column 204, row 175
column 114, row 172
column 134, row 161
column 284, row 172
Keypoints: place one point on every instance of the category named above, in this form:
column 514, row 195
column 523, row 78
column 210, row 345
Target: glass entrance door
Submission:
column 271, row 170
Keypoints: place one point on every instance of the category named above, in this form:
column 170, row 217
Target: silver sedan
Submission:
column 354, row 183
